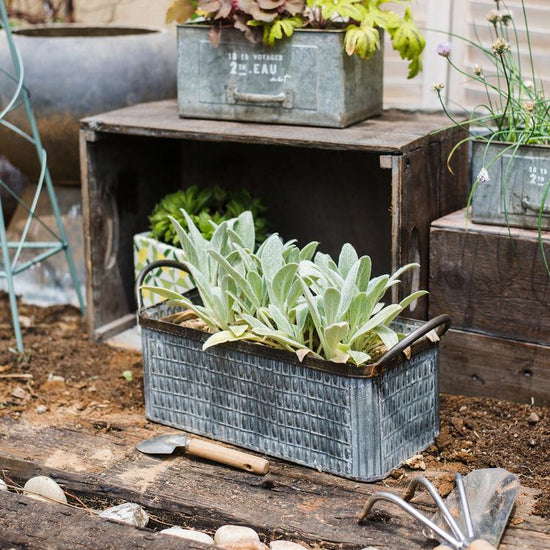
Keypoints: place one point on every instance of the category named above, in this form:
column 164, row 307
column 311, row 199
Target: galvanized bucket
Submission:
column 517, row 181
column 308, row 79
column 355, row 422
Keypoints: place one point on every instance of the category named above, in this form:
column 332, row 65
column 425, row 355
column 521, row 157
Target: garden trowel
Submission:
column 167, row 444
column 472, row 517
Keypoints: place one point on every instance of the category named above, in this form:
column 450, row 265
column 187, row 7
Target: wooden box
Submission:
column 377, row 185
column 493, row 283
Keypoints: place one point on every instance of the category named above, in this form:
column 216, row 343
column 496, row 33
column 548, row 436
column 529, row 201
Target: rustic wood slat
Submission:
column 393, row 131
column 490, row 279
column 482, row 365
column 296, row 502
column 427, row 190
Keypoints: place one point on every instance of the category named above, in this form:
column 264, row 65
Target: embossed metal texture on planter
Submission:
column 308, row 79
column 517, row 182
column 265, row 400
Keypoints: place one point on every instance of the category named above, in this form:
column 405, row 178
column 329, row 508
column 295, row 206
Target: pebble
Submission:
column 3, row 486
column 41, row 409
column 188, row 534
column 285, row 545
column 245, row 545
column 229, row 534
column 416, row 462
column 44, row 488
column 533, row 418
column 532, row 443
column 55, row 378
column 128, row 512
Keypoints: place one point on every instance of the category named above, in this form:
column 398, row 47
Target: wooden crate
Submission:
column 493, row 283
column 377, row 184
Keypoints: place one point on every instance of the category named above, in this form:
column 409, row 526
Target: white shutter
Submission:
column 461, row 17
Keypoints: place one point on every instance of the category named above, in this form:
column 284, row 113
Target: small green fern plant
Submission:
column 207, row 207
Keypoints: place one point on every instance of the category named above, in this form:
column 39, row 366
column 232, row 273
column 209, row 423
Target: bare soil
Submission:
column 62, row 376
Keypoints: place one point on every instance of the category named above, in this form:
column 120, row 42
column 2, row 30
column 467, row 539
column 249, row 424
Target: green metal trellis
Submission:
column 10, row 264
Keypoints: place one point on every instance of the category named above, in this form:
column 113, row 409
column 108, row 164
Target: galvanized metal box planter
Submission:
column 308, row 79
column 356, row 422
column 517, row 181
column 147, row 250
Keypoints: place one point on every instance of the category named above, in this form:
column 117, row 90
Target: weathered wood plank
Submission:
column 33, row 525
column 489, row 280
column 393, row 131
column 298, row 502
column 122, row 181
column 481, row 365
column 425, row 191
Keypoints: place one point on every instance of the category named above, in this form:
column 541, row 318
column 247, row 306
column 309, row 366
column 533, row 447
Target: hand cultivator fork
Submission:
column 453, row 524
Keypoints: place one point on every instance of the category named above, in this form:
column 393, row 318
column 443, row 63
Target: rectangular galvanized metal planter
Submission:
column 307, row 79
column 147, row 250
column 517, row 182
column 356, row 422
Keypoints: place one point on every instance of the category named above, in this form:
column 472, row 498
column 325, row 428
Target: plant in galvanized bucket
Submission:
column 268, row 21
column 510, row 130
column 287, row 297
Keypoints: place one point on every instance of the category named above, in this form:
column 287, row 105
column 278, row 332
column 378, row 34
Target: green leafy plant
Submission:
column 272, row 20
column 207, row 208
column 516, row 110
column 285, row 296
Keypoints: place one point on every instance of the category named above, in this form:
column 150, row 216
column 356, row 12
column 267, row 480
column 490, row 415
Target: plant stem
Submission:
column 529, row 48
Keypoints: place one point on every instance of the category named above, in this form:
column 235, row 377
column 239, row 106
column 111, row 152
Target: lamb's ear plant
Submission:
column 287, row 297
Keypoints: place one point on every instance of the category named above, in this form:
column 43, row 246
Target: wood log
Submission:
column 291, row 501
column 34, row 525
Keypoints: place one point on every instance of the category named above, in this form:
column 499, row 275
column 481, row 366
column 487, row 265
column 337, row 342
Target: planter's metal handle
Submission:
column 441, row 324
column 150, row 267
column 286, row 98
column 528, row 205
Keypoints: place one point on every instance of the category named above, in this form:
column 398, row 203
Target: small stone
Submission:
column 41, row 409
column 245, row 545
column 20, row 393
column 416, row 462
column 532, row 443
column 3, row 486
column 128, row 512
column 285, row 545
column 533, row 418
column 55, row 378
column 229, row 534
column 44, row 488
column 188, row 534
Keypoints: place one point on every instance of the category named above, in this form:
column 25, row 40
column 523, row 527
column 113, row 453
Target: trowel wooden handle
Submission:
column 224, row 455
column 476, row 545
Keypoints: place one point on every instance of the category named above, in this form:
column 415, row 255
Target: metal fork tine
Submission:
column 465, row 506
column 447, row 516
column 452, row 541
